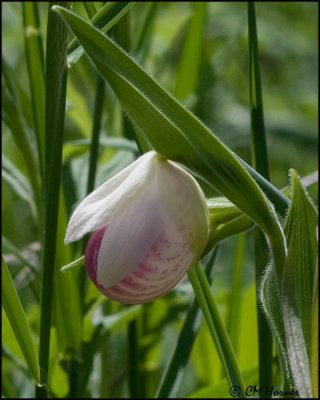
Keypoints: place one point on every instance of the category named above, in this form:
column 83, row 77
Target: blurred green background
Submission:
column 288, row 44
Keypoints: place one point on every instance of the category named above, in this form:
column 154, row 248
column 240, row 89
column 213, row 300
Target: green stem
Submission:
column 173, row 375
column 35, row 64
column 234, row 309
column 93, row 159
column 218, row 332
column 134, row 359
column 94, row 149
column 258, row 135
column 280, row 201
column 260, row 163
column 90, row 8
column 56, row 84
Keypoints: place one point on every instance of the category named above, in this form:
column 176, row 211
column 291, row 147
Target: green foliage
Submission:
column 65, row 132
column 290, row 307
column 18, row 321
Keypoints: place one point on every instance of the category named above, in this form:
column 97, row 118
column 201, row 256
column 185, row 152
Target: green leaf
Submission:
column 189, row 63
column 298, row 284
column 17, row 92
column 174, row 132
column 18, row 183
column 21, row 134
column 219, row 335
column 174, row 373
column 35, row 64
column 80, row 146
column 234, row 303
column 143, row 39
column 260, row 163
column 289, row 307
column 11, row 248
column 225, row 220
column 90, row 8
column 118, row 320
column 56, row 85
column 16, row 315
column 105, row 18
column 67, row 305
column 221, row 389
column 258, row 135
column 270, row 300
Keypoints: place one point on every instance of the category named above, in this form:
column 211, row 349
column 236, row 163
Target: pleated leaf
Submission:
column 298, row 284
column 290, row 307
column 18, row 320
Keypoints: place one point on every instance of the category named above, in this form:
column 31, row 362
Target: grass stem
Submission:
column 260, row 163
column 56, row 85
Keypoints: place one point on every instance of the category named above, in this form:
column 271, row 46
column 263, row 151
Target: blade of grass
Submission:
column 134, row 373
column 107, row 16
column 234, row 311
column 7, row 354
column 189, row 63
column 80, row 146
column 19, row 184
column 95, row 137
column 264, row 334
column 93, row 160
column 18, row 321
column 260, row 163
column 90, row 8
column 8, row 246
column 298, row 283
column 279, row 200
column 174, row 372
column 142, row 41
column 35, row 64
column 17, row 92
column 67, row 307
column 218, row 332
column 258, row 135
column 22, row 138
column 56, row 80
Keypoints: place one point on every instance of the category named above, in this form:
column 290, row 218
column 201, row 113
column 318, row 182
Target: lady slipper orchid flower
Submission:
column 151, row 224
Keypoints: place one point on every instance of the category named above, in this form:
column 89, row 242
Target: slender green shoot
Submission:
column 56, row 84
column 218, row 332
column 173, row 375
column 260, row 163
column 35, row 63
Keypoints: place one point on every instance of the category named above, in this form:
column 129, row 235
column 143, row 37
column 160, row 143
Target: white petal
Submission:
column 161, row 269
column 128, row 237
column 98, row 208
column 184, row 203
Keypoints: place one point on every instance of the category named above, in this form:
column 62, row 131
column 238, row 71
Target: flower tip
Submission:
column 70, row 237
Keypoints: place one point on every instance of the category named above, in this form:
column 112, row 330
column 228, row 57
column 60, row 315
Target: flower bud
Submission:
column 151, row 224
